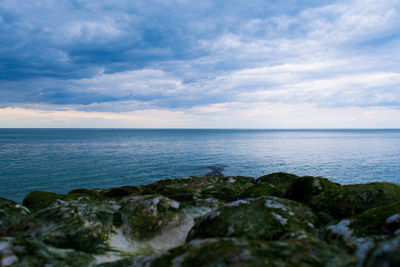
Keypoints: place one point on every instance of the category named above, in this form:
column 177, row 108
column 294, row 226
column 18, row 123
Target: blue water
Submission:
column 63, row 159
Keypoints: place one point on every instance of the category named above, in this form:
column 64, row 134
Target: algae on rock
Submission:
column 279, row 219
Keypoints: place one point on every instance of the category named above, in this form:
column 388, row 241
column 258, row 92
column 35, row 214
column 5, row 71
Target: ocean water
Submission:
column 59, row 160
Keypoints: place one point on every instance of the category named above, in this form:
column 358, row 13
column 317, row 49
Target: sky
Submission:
column 200, row 64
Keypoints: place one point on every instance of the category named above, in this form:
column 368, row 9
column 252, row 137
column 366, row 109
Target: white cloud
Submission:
column 130, row 83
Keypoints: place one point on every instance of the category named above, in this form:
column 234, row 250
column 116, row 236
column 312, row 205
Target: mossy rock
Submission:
column 260, row 190
column 266, row 218
column 278, row 178
column 37, row 200
column 384, row 220
column 84, row 192
column 229, row 188
column 11, row 214
column 281, row 181
column 181, row 194
column 305, row 188
column 349, row 200
column 30, row 252
column 83, row 225
column 224, row 192
column 183, row 190
column 384, row 253
column 240, row 252
column 115, row 193
column 143, row 217
column 365, row 228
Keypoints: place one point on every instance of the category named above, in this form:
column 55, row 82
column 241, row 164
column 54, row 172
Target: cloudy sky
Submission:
column 200, row 64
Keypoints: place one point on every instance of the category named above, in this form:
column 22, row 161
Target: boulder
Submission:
column 82, row 225
column 11, row 214
column 143, row 217
column 349, row 200
column 242, row 252
column 265, row 218
column 30, row 252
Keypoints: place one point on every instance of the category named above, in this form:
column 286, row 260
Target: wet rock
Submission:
column 11, row 214
column 266, row 218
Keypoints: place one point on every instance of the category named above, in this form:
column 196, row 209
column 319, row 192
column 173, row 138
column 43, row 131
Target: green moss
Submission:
column 260, row 190
column 37, row 200
column 277, row 178
column 115, row 192
column 242, row 252
column 84, row 225
column 305, row 188
column 266, row 218
column 85, row 192
column 143, row 217
column 31, row 252
column 384, row 253
column 375, row 221
column 11, row 214
column 349, row 200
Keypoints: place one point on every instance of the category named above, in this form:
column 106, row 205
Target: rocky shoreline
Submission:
column 278, row 219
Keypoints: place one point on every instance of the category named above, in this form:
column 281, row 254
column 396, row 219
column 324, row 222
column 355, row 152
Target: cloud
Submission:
column 184, row 56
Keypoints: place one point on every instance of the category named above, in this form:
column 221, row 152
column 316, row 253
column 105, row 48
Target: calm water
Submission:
column 62, row 159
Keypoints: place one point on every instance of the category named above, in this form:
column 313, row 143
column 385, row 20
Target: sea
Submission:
column 60, row 160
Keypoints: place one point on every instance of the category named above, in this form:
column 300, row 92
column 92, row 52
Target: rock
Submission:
column 37, row 200
column 183, row 190
column 385, row 253
column 84, row 192
column 82, row 225
column 116, row 192
column 228, row 188
column 384, row 220
column 349, row 200
column 241, row 252
column 30, row 252
column 279, row 219
column 280, row 181
column 11, row 214
column 143, row 217
column 360, row 232
column 259, row 190
column 265, row 218
column 305, row 188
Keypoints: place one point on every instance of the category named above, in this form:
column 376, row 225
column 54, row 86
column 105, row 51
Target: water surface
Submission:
column 63, row 159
